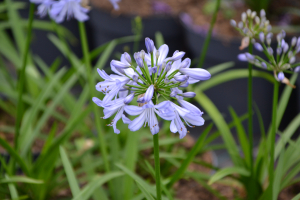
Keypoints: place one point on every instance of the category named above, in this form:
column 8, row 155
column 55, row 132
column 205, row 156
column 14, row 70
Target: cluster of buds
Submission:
column 154, row 77
column 251, row 25
column 281, row 60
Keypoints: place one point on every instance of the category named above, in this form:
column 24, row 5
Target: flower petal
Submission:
column 133, row 110
column 196, row 73
column 138, row 122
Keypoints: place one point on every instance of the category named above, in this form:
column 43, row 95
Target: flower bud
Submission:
column 262, row 37
column 268, row 40
column 298, row 42
column 279, row 50
column 142, row 54
column 262, row 13
column 135, row 78
column 177, row 56
column 280, row 76
column 242, row 57
column 184, row 84
column 240, row 25
column 249, row 56
column 129, row 98
column 267, row 22
column 290, row 54
column 292, row 60
column 285, row 47
column 264, row 65
column 168, row 67
column 139, row 62
column 258, row 46
column 249, row 12
column 270, row 50
column 294, row 41
column 269, row 28
column 166, row 81
column 233, row 23
column 127, row 57
column 157, row 54
column 257, row 20
column 244, row 17
column 149, row 45
column 189, row 94
column 285, row 66
column 297, row 69
column 185, row 63
column 253, row 14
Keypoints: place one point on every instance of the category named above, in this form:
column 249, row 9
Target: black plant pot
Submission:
column 106, row 27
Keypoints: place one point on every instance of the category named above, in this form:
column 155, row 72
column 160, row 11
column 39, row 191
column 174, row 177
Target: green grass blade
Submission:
column 105, row 55
column 159, row 39
column 21, row 179
column 147, row 195
column 69, row 172
column 12, row 189
column 243, row 139
column 220, row 68
column 228, row 171
column 88, row 190
column 232, row 75
column 191, row 155
column 131, row 156
column 297, row 197
column 15, row 155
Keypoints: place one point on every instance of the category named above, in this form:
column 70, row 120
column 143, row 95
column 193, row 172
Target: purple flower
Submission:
column 115, row 4
column 44, row 6
column 196, row 73
column 67, row 9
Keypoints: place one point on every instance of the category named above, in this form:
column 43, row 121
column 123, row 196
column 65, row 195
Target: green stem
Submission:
column 250, row 118
column 207, row 39
column 22, row 76
column 273, row 134
column 157, row 166
column 91, row 83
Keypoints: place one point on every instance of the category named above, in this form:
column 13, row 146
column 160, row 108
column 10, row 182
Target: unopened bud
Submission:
column 297, row 69
column 166, row 80
column 264, row 65
column 233, row 23
column 149, row 45
column 269, row 28
column 240, row 25
column 270, row 50
column 292, row 60
column 127, row 57
column 285, row 47
column 253, row 14
column 257, row 20
column 142, row 54
column 258, row 47
column 135, row 78
column 249, row 12
column 168, row 67
column 285, row 66
column 189, row 94
column 294, row 41
column 157, row 54
column 262, row 37
column 279, row 50
column 244, row 17
column 185, row 63
column 173, row 93
column 262, row 13
column 280, row 76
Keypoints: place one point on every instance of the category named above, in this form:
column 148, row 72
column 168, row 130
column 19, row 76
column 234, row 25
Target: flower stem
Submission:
column 22, row 77
column 207, row 39
column 273, row 134
column 250, row 118
column 91, row 83
column 157, row 166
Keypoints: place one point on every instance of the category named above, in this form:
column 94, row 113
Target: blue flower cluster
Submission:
column 65, row 9
column 154, row 77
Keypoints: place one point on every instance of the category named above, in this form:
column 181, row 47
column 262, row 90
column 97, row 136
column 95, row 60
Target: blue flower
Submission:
column 152, row 78
column 67, row 9
column 44, row 6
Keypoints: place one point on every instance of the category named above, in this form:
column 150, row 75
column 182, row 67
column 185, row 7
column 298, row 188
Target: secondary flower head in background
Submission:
column 66, row 9
column 251, row 25
column 154, row 82
column 279, row 60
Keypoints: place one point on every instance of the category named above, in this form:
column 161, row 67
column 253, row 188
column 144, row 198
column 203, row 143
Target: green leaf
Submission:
column 69, row 172
column 159, row 39
column 191, row 155
column 88, row 190
column 12, row 189
column 15, row 155
column 232, row 75
column 297, row 197
column 217, row 117
column 228, row 171
column 21, row 179
column 220, row 68
column 145, row 192
column 243, row 139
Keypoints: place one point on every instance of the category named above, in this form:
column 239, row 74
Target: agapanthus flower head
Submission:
column 281, row 60
column 251, row 25
column 154, row 82
column 59, row 10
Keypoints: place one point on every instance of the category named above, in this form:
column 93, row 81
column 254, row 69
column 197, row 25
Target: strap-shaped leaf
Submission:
column 228, row 171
